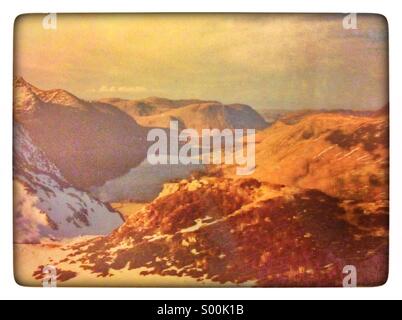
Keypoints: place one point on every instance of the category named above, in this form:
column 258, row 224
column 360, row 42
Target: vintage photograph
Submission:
column 201, row 150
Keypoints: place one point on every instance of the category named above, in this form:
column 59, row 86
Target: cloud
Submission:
column 120, row 89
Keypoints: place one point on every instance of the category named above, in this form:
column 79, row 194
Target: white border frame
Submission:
column 10, row 10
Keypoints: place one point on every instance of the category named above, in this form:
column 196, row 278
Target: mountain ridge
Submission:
column 80, row 137
column 191, row 113
column 342, row 155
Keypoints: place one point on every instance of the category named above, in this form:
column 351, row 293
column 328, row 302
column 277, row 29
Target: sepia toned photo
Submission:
column 201, row 150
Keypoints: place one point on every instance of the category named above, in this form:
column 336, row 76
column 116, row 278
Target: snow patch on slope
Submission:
column 46, row 205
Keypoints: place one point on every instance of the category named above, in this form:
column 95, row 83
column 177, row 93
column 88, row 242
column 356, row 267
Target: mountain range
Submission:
column 64, row 147
column 92, row 142
column 317, row 201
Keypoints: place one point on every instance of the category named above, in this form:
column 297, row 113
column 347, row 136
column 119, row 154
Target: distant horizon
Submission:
column 266, row 108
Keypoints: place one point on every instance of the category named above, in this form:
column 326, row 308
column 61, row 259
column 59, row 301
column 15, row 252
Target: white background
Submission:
column 10, row 9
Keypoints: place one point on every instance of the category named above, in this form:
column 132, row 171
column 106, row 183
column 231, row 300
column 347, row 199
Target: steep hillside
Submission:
column 46, row 205
column 342, row 155
column 89, row 142
column 243, row 231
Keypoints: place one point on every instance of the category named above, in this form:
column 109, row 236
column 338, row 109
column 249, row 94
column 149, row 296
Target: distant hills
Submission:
column 291, row 116
column 196, row 114
column 150, row 106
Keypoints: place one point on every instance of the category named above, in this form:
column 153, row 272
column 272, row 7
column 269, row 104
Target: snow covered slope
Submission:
column 46, row 205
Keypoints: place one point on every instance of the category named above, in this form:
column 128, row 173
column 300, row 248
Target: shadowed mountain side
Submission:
column 90, row 143
column 48, row 206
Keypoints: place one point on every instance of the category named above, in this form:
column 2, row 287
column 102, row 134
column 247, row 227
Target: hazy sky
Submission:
column 275, row 61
